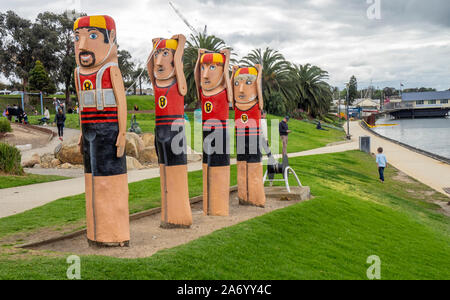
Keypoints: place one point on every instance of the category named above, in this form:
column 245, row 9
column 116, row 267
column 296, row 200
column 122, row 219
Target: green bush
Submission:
column 10, row 160
column 5, row 126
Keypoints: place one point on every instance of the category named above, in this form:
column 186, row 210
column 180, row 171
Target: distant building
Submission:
column 368, row 106
column 421, row 105
column 427, row 99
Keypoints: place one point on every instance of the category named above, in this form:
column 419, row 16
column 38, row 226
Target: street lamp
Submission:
column 349, row 137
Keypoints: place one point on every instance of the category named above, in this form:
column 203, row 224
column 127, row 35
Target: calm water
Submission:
column 432, row 135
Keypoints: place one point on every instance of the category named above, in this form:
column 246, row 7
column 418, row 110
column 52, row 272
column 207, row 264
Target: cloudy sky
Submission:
column 405, row 41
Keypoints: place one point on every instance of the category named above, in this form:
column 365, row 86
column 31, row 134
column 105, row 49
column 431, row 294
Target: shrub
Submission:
column 5, row 126
column 10, row 160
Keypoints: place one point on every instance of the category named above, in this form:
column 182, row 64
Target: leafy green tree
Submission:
column 60, row 43
column 195, row 42
column 39, row 79
column 139, row 76
column 390, row 91
column 16, row 46
column 353, row 89
column 24, row 42
column 126, row 65
column 277, row 84
column 314, row 93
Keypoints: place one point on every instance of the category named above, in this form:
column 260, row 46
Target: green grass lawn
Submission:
column 352, row 217
column 143, row 102
column 7, row 181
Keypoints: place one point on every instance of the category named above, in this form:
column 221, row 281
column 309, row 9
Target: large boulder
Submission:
column 148, row 139
column 148, row 155
column 55, row 163
column 35, row 160
column 133, row 164
column 134, row 145
column 69, row 153
column 46, row 161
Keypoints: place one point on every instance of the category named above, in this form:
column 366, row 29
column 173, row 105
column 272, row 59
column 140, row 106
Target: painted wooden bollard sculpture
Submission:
column 214, row 92
column 165, row 69
column 248, row 104
column 103, row 117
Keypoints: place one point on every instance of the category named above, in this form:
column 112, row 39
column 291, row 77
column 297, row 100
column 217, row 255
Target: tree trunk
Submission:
column 68, row 98
column 26, row 98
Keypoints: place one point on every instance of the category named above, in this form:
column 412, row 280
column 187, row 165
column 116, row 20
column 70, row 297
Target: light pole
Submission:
column 349, row 137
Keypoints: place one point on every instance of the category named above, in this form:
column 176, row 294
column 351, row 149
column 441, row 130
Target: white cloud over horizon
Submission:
column 409, row 44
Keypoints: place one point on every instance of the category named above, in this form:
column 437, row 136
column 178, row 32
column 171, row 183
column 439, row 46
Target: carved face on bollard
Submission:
column 211, row 71
column 95, row 41
column 163, row 59
column 247, row 85
column 166, row 63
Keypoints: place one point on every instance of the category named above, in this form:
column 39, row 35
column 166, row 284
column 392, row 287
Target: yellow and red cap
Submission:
column 103, row 22
column 246, row 71
column 167, row 44
column 212, row 58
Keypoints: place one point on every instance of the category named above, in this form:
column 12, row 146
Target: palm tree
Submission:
column 314, row 93
column 195, row 42
column 276, row 78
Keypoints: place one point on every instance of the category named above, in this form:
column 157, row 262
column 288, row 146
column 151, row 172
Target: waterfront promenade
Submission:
column 429, row 171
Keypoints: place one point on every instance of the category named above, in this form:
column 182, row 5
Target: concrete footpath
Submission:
column 427, row 170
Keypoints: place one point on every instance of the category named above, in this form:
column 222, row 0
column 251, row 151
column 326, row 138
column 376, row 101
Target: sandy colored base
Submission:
column 24, row 136
column 147, row 237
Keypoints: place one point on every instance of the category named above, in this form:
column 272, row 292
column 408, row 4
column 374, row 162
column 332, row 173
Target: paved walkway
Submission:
column 69, row 134
column 429, row 171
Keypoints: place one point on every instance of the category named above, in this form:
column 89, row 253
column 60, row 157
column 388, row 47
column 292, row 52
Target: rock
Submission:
column 134, row 145
column 55, row 162
column 194, row 157
column 148, row 139
column 133, row 164
column 70, row 153
column 46, row 161
column 148, row 155
column 65, row 166
column 35, row 160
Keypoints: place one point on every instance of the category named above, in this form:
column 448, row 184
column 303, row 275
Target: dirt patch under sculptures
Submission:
column 147, row 237
column 23, row 135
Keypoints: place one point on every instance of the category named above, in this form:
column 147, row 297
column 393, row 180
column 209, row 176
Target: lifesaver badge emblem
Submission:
column 244, row 118
column 208, row 107
column 162, row 102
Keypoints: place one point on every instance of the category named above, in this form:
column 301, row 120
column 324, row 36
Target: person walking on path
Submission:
column 60, row 119
column 382, row 163
column 284, row 132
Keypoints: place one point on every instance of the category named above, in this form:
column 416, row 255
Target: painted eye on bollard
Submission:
column 93, row 36
column 249, row 82
column 76, row 38
column 212, row 68
column 236, row 83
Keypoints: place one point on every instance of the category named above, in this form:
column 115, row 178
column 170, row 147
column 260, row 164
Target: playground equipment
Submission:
column 274, row 168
